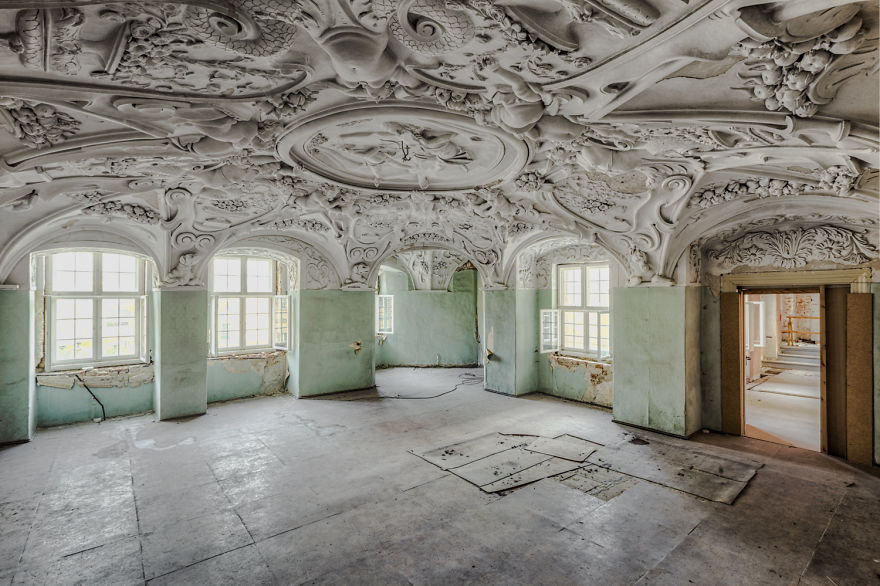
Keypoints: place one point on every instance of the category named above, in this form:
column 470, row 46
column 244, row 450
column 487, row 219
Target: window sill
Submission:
column 104, row 376
column 573, row 357
column 249, row 355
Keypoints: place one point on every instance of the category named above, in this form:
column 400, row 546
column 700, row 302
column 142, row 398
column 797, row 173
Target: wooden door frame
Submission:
column 772, row 282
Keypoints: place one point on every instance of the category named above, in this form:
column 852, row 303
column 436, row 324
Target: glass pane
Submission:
column 72, row 271
column 227, row 275
column 83, row 349
column 280, row 324
column 109, row 307
column 598, row 278
column 570, row 281
column 573, row 329
column 259, row 276
column 127, row 346
column 109, row 347
column 64, row 308
column 118, row 272
column 228, row 320
column 64, row 350
column 64, row 329
column 84, row 308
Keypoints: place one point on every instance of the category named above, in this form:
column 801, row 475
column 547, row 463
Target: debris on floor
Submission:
column 497, row 462
column 599, row 482
column 689, row 470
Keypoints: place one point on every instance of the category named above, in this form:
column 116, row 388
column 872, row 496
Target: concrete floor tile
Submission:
column 70, row 531
column 114, row 563
column 167, row 508
column 184, row 543
column 239, row 566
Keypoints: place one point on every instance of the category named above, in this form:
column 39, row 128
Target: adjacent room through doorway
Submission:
column 782, row 395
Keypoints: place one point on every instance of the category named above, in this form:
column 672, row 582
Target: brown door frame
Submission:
column 733, row 395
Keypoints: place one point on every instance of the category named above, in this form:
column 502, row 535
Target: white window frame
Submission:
column 379, row 299
column 276, row 297
column 584, row 309
column 96, row 295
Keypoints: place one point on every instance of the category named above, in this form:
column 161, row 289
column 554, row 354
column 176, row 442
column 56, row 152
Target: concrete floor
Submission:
column 786, row 409
column 283, row 491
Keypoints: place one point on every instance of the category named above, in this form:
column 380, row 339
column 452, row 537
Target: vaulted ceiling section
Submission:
column 670, row 132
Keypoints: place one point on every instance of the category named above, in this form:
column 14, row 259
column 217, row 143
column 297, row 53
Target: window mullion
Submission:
column 242, row 319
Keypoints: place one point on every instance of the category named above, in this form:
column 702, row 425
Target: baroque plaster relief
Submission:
column 366, row 128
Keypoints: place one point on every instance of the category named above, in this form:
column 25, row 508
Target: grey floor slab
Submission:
column 565, row 446
column 287, row 491
column 666, row 465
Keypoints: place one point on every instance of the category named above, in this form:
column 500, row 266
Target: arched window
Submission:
column 581, row 322
column 250, row 306
column 96, row 309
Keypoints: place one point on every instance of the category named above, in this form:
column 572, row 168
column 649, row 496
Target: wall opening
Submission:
column 428, row 314
column 782, row 386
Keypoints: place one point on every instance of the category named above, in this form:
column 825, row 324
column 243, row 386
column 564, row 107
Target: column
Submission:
column 511, row 336
column 335, row 342
column 17, row 390
column 656, row 340
column 180, row 352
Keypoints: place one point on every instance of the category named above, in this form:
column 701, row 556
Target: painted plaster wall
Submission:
column 710, row 358
column 511, row 336
column 500, row 312
column 235, row 377
column 181, row 348
column 57, row 406
column 574, row 379
column 330, row 321
column 16, row 383
column 431, row 328
column 526, row 341
column 654, row 382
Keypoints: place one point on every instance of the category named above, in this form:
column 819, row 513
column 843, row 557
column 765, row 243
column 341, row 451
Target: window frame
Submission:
column 96, row 295
column 379, row 329
column 274, row 296
column 585, row 310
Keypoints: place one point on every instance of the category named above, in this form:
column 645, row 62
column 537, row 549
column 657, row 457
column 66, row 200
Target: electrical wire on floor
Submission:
column 465, row 378
column 103, row 411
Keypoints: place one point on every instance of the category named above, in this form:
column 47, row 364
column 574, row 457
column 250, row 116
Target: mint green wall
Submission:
column 512, row 368
column 180, row 351
column 16, row 366
column 500, row 312
column 431, row 328
column 329, row 321
column 62, row 406
column 235, row 377
column 526, row 341
column 710, row 358
column 656, row 358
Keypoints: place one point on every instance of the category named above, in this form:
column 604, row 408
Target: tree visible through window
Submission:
column 250, row 304
column 96, row 306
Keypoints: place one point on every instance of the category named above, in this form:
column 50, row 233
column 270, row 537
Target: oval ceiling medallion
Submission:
column 402, row 147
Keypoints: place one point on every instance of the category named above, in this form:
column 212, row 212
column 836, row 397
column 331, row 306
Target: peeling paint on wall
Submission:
column 100, row 378
column 246, row 375
column 580, row 379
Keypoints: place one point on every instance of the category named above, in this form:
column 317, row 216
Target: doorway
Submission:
column 782, row 385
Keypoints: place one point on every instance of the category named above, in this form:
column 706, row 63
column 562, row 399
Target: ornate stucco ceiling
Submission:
column 348, row 130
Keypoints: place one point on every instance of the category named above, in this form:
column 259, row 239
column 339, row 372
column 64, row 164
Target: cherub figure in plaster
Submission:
column 184, row 273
